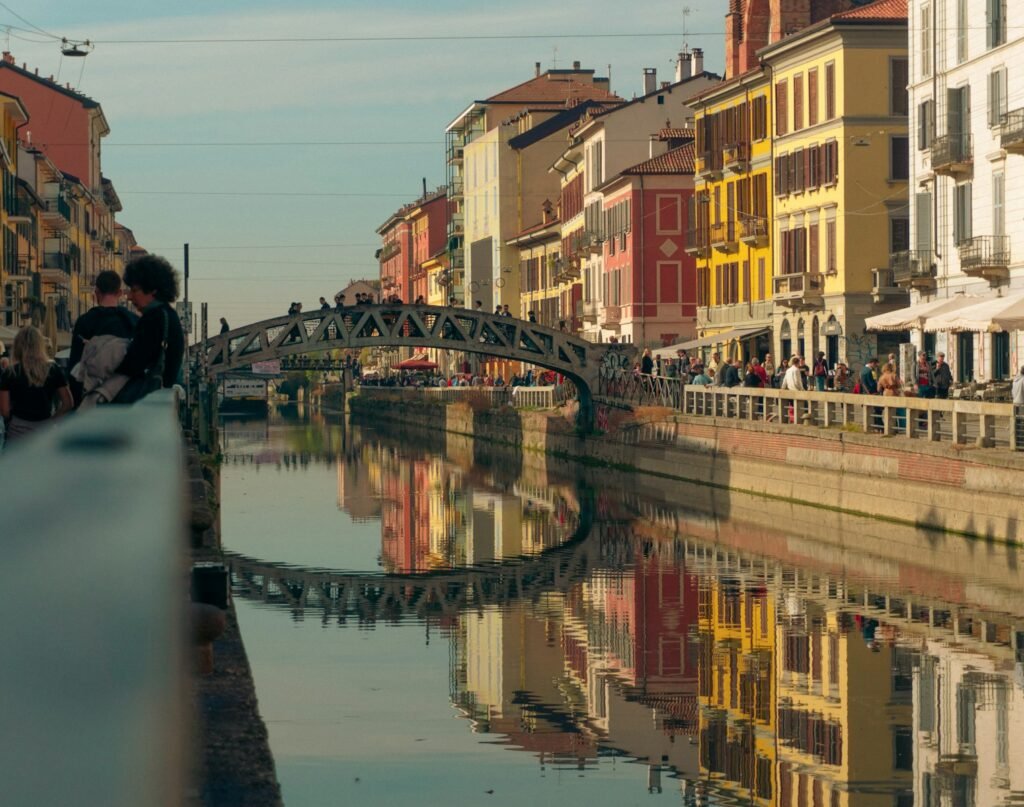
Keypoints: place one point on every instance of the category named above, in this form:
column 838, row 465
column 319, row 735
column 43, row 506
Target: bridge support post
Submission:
column 586, row 415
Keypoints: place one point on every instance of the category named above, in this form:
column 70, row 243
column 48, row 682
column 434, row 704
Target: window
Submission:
column 798, row 102
column 923, row 207
column 831, row 248
column 995, row 23
column 925, row 124
column 830, row 160
column 746, row 281
column 962, row 220
column 898, row 80
column 794, row 251
column 830, row 91
column 813, row 248
column 903, row 749
column 781, row 175
column 813, row 167
column 899, row 232
column 925, row 43
column 781, row 109
column 961, row 31
column 799, row 171
column 759, row 118
column 899, row 158
column 760, row 279
column 996, row 96
column 812, row 96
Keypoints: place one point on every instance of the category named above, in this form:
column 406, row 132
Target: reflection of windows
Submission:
column 903, row 749
column 966, row 704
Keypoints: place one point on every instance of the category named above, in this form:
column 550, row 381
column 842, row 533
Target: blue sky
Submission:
column 300, row 217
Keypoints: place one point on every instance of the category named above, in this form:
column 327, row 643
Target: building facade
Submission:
column 729, row 230
column 840, row 166
column 967, row 172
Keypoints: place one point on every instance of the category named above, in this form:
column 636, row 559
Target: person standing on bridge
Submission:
column 156, row 351
column 324, row 305
column 224, row 327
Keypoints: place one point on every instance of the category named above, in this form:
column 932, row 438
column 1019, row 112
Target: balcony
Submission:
column 735, row 157
column 800, row 289
column 883, row 286
column 455, row 155
column 389, row 251
column 610, row 316
column 913, row 269
column 1011, row 131
column 697, row 242
column 986, row 256
column 56, row 266
column 589, row 310
column 953, row 155
column 723, row 236
column 708, row 165
column 57, row 213
column 592, row 242
column 754, row 230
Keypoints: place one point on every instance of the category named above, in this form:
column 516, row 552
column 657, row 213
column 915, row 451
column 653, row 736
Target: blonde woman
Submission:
column 34, row 389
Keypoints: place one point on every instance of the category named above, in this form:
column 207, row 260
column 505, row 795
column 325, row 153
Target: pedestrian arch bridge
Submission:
column 422, row 326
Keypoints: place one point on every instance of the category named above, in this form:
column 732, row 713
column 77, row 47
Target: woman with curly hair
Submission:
column 157, row 349
column 33, row 389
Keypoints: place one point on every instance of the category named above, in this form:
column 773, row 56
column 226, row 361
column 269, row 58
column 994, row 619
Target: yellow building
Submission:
column 539, row 251
column 730, row 226
column 15, row 273
column 841, row 162
column 737, row 626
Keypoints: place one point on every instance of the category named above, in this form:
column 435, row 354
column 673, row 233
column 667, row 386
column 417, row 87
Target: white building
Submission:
column 967, row 172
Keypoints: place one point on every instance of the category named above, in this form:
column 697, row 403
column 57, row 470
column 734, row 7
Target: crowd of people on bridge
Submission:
column 116, row 356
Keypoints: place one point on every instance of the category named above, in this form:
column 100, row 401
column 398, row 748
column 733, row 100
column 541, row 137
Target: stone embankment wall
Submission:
column 971, row 491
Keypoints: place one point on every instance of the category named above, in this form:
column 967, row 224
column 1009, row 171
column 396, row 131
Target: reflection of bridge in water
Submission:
column 369, row 597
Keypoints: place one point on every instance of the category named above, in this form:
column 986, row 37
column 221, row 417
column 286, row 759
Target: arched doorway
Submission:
column 814, row 339
column 832, row 330
column 801, row 342
column 785, row 342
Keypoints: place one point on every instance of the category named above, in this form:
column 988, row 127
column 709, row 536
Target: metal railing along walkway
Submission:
column 950, row 421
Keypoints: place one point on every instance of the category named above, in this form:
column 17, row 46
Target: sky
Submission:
column 276, row 161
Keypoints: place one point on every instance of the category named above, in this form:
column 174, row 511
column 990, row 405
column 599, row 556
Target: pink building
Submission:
column 649, row 283
column 411, row 237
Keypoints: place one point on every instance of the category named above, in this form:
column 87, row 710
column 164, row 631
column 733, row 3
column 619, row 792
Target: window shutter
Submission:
column 781, row 108
column 830, row 91
column 899, row 81
column 812, row 96
column 923, row 208
column 813, row 248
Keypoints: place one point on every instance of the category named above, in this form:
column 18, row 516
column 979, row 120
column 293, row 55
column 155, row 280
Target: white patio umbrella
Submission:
column 991, row 315
column 914, row 316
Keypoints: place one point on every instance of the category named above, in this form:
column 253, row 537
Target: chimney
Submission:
column 684, row 66
column 575, row 65
column 424, row 187
column 698, row 61
column 8, row 57
column 536, row 69
column 650, row 80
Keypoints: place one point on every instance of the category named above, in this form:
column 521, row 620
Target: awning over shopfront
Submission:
column 990, row 315
column 913, row 317
column 723, row 337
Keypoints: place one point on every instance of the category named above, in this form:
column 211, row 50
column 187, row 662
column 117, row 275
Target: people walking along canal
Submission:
column 33, row 389
column 107, row 318
column 156, row 351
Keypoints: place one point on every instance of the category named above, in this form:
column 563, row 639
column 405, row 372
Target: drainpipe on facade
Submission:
column 643, row 271
column 935, row 127
column 770, row 123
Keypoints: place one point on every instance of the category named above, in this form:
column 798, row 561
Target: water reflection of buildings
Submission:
column 436, row 513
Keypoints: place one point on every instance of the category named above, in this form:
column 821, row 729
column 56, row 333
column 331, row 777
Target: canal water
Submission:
column 434, row 621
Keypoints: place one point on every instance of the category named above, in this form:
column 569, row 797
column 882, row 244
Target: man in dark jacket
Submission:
column 731, row 374
column 942, row 376
column 868, row 384
column 107, row 318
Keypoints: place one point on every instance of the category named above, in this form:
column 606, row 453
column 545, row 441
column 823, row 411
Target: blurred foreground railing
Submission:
column 951, row 421
column 92, row 589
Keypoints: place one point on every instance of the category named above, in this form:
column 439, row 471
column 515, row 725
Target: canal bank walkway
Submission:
column 234, row 765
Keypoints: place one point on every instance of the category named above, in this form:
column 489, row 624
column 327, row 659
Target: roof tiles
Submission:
column 879, row 11
column 554, row 88
column 677, row 161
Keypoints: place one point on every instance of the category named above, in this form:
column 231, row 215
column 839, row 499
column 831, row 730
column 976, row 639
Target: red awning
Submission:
column 416, row 364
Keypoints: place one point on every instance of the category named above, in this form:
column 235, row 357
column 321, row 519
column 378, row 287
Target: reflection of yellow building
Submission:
column 730, row 230
column 736, row 677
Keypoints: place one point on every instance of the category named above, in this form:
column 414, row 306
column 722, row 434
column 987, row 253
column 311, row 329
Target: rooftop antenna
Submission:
column 554, row 57
column 75, row 47
column 686, row 16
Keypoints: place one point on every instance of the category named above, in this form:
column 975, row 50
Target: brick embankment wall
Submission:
column 971, row 491
column 233, row 763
